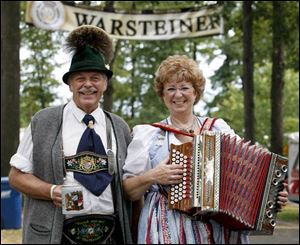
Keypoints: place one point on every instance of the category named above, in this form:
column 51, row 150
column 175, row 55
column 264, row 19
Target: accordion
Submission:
column 228, row 180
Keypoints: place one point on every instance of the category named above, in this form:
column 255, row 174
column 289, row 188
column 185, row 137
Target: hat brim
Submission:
column 107, row 72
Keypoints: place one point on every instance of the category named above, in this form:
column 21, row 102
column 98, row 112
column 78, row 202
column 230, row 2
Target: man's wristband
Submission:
column 51, row 191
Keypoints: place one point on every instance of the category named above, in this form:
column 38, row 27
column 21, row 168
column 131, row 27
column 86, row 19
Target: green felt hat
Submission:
column 92, row 49
column 87, row 59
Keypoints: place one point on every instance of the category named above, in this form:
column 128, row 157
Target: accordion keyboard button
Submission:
column 278, row 173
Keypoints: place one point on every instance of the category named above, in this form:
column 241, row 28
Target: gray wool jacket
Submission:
column 43, row 221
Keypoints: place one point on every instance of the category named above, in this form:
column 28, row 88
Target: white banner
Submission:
column 53, row 15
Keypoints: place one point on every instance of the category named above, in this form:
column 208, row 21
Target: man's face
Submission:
column 87, row 88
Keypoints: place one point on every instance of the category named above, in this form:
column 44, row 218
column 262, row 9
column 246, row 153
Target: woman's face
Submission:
column 179, row 97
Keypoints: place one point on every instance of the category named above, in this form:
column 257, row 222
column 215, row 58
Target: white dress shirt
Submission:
column 72, row 130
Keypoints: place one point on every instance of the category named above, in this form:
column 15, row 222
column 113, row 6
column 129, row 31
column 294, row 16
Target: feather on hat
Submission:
column 92, row 50
column 93, row 36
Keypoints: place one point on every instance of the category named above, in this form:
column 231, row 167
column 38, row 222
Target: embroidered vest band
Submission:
column 86, row 162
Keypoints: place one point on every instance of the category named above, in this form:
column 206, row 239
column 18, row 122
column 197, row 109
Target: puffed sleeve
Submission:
column 137, row 160
column 221, row 125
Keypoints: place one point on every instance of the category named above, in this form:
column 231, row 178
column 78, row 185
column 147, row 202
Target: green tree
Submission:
column 229, row 75
column 290, row 103
column 232, row 104
column 277, row 85
column 131, row 93
column 37, row 78
column 136, row 63
column 247, row 77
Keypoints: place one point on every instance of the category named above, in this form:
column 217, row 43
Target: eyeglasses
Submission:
column 183, row 90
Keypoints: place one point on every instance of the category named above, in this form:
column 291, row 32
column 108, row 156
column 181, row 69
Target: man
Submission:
column 62, row 155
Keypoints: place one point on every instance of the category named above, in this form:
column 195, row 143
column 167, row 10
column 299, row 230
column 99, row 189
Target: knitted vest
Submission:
column 43, row 221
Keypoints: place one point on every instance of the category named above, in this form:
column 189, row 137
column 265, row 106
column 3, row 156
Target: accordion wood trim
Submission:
column 228, row 180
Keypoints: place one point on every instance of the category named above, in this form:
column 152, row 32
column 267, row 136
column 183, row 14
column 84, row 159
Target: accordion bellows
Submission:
column 228, row 180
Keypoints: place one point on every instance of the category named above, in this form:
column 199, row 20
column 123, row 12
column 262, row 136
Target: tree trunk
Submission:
column 108, row 95
column 248, row 86
column 10, row 82
column 133, row 97
column 277, row 78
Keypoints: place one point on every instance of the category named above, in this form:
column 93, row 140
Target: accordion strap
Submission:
column 208, row 124
column 167, row 127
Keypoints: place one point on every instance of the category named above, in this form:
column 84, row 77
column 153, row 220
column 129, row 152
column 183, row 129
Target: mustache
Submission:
column 87, row 90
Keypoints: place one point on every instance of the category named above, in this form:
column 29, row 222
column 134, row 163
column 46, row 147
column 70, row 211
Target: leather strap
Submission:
column 108, row 132
column 208, row 124
column 111, row 158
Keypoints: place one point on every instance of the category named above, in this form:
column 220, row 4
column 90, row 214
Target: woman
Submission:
column 180, row 84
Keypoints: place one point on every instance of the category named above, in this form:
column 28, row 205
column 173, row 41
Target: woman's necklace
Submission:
column 189, row 129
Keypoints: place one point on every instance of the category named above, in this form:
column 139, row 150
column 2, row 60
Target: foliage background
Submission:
column 136, row 62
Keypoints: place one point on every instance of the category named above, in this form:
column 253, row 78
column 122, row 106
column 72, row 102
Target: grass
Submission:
column 11, row 236
column 289, row 213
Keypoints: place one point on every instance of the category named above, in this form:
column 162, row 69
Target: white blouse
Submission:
column 72, row 130
column 138, row 161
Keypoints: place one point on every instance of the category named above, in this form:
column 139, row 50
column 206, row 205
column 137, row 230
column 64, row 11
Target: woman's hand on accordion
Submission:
column 165, row 174
column 282, row 197
column 168, row 174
